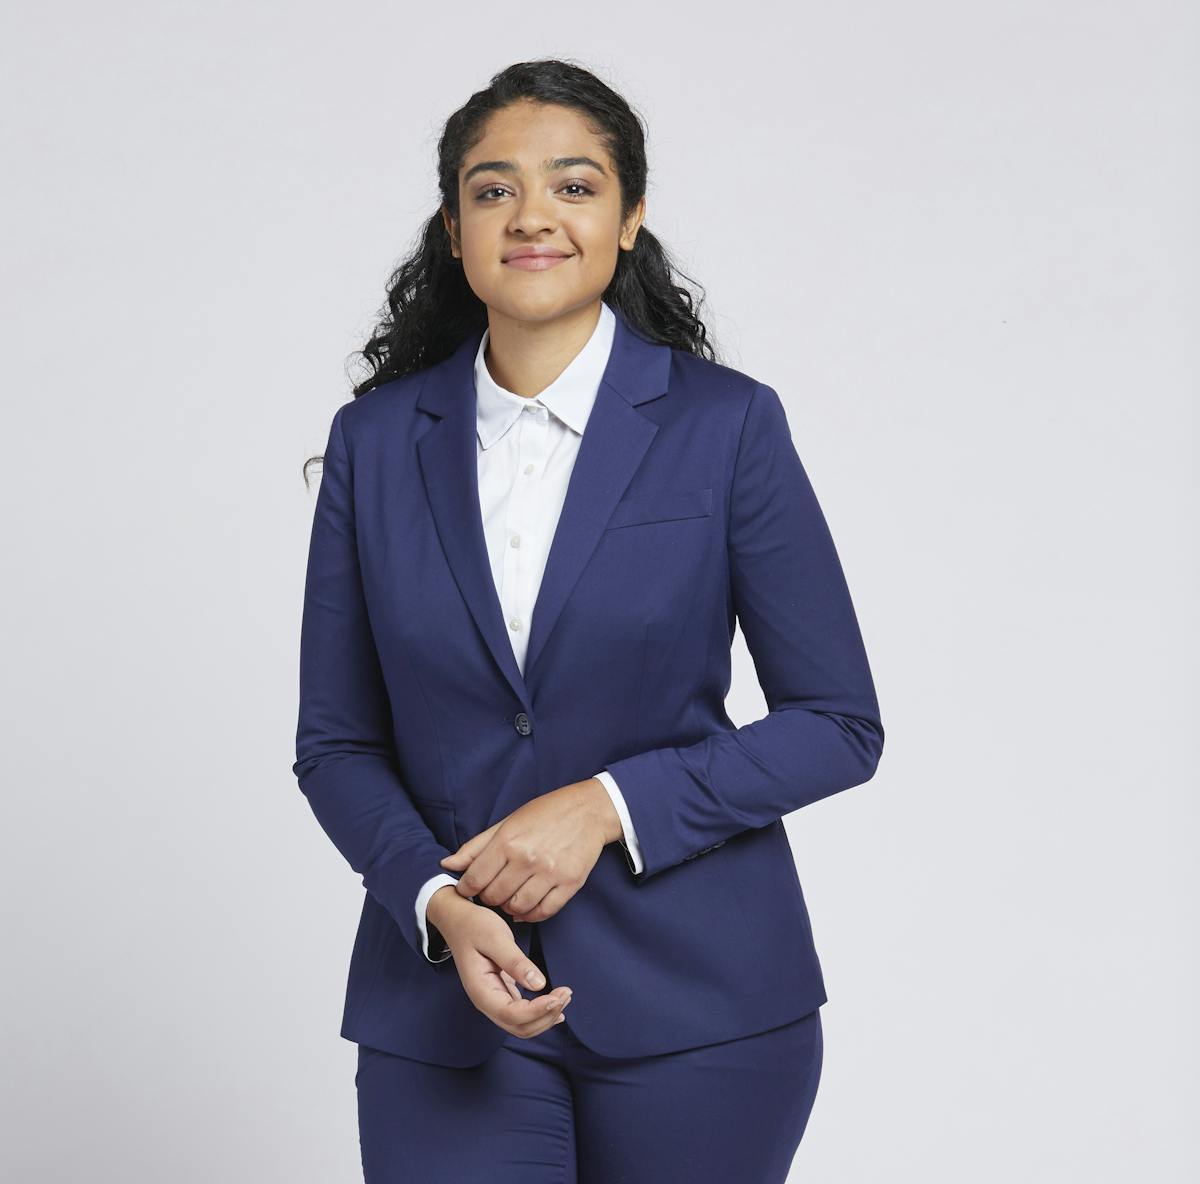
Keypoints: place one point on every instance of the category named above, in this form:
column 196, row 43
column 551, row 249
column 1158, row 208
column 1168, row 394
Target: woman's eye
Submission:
column 583, row 190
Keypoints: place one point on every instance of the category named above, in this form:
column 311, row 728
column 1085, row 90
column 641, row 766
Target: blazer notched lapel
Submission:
column 614, row 442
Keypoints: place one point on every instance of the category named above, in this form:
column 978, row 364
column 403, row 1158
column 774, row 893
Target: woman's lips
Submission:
column 537, row 262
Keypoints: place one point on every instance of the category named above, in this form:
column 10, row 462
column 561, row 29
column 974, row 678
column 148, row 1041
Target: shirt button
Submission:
column 514, row 623
column 515, row 541
column 529, row 468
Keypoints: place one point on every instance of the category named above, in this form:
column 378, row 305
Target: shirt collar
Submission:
column 569, row 397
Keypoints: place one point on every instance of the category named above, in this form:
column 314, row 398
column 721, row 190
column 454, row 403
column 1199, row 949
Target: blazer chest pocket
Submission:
column 439, row 817
column 667, row 506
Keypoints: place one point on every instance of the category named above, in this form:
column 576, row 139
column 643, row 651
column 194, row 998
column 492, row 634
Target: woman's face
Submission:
column 539, row 178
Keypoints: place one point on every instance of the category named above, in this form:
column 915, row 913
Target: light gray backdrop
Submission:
column 959, row 239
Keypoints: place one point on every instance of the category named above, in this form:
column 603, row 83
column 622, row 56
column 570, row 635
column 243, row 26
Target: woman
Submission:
column 584, row 953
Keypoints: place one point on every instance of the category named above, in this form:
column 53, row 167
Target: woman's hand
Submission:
column 490, row 964
column 534, row 860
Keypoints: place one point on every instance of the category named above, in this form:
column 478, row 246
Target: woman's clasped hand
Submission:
column 530, row 863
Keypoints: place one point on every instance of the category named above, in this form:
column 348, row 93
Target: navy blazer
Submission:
column 687, row 507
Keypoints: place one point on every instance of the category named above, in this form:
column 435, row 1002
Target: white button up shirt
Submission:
column 526, row 449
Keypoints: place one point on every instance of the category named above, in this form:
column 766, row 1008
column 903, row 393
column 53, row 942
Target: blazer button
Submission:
column 522, row 724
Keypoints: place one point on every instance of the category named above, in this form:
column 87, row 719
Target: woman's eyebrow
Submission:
column 548, row 166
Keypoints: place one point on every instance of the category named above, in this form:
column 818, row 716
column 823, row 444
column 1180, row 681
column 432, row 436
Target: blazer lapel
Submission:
column 615, row 440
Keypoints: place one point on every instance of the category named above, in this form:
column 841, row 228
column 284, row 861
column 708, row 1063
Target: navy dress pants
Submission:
column 548, row 1110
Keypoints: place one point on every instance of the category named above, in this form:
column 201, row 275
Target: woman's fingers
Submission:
column 484, row 948
column 528, row 1017
column 549, row 1012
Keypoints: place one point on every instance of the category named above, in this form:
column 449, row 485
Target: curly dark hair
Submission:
column 431, row 309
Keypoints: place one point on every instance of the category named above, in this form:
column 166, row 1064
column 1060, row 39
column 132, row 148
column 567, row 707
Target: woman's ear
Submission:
column 448, row 223
column 633, row 224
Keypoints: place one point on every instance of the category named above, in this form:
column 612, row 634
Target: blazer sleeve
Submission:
column 822, row 732
column 345, row 755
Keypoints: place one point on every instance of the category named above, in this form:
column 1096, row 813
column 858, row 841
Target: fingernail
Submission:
column 560, row 1019
column 535, row 980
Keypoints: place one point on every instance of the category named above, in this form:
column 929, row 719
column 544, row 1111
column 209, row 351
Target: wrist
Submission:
column 610, row 820
column 442, row 903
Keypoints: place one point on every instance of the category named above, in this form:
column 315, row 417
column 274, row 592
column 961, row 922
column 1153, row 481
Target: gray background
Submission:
column 961, row 242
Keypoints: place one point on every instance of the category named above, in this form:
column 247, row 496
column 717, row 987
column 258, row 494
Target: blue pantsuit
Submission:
column 692, row 1047
column 547, row 1110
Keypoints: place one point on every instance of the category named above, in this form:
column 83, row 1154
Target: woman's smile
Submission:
column 535, row 258
column 537, row 262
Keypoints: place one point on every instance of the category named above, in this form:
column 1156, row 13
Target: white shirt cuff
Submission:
column 427, row 890
column 629, row 841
